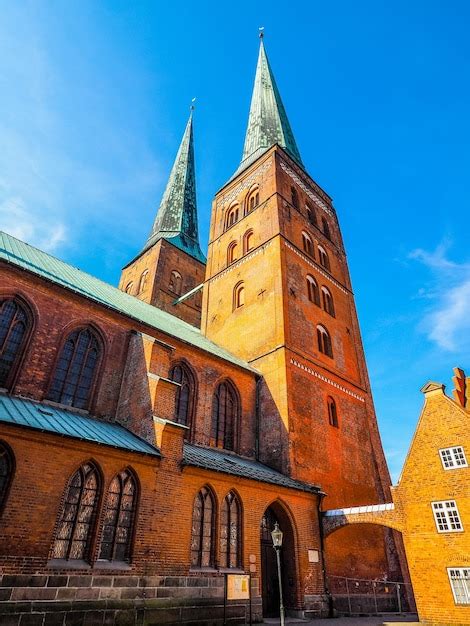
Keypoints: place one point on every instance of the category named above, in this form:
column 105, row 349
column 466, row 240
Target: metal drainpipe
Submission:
column 257, row 416
column 322, row 550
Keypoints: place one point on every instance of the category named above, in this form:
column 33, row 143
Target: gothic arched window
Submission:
column 238, row 295
column 332, row 413
column 248, row 241
column 129, row 287
column 294, row 197
column 311, row 215
column 252, row 200
column 185, row 395
column 7, row 465
column 307, row 244
column 232, row 216
column 119, row 516
column 328, row 303
column 324, row 341
column 324, row 260
column 224, row 416
column 143, row 281
column 326, row 228
column 232, row 252
column 230, row 531
column 312, row 290
column 76, row 369
column 176, row 282
column 78, row 514
column 203, row 529
column 15, row 325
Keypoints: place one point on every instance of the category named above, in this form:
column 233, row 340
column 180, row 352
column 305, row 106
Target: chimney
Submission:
column 461, row 393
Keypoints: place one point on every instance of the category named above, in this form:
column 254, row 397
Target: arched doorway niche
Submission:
column 277, row 512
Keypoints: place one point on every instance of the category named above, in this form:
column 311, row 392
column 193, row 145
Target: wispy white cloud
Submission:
column 447, row 321
column 28, row 225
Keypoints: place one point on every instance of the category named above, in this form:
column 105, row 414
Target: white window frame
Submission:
column 460, row 592
column 453, row 457
column 446, row 514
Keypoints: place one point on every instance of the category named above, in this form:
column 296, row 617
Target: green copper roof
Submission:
column 47, row 418
column 41, row 264
column 267, row 122
column 176, row 218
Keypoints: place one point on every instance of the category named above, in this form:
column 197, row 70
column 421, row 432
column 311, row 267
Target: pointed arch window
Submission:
column 324, row 260
column 203, row 529
column 7, row 465
column 230, row 532
column 328, row 303
column 311, row 215
column 143, row 281
column 185, row 395
column 326, row 228
column 252, row 200
column 129, row 288
column 294, row 197
column 78, row 514
column 232, row 252
column 232, row 216
column 15, row 326
column 324, row 341
column 119, row 516
column 238, row 295
column 248, row 241
column 225, row 410
column 307, row 243
column 312, row 290
column 76, row 369
column 176, row 282
column 332, row 412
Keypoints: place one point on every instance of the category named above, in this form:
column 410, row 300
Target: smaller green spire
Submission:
column 176, row 218
column 267, row 123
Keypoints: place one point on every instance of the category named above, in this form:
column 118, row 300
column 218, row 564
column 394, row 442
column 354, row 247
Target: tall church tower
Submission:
column 278, row 294
column 171, row 265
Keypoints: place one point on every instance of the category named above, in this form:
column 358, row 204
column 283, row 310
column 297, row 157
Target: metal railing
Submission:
column 356, row 596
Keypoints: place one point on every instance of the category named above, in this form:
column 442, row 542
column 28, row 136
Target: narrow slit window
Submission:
column 312, row 290
column 332, row 412
column 307, row 243
column 324, row 341
column 232, row 252
column 238, row 295
column 294, row 197
column 324, row 260
column 328, row 304
column 248, row 241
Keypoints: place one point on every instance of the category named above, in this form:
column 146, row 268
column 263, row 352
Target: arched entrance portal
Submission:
column 269, row 579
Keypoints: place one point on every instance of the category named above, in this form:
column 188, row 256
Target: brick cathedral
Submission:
column 152, row 435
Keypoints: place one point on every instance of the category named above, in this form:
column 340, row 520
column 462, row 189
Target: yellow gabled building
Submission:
column 431, row 506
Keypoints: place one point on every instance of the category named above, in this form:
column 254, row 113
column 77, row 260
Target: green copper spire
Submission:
column 267, row 123
column 176, row 218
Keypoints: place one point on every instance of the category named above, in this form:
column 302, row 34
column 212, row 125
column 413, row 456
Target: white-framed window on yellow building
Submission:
column 453, row 458
column 446, row 515
column 459, row 578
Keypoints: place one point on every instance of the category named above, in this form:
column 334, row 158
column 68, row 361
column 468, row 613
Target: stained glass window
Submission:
column 224, row 416
column 119, row 518
column 184, row 396
column 230, row 532
column 6, row 472
column 13, row 330
column 202, row 532
column 75, row 370
column 77, row 517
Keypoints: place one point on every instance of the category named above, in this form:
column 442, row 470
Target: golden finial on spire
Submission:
column 261, row 32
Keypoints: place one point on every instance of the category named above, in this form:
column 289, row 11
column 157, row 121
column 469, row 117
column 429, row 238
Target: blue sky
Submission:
column 95, row 97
